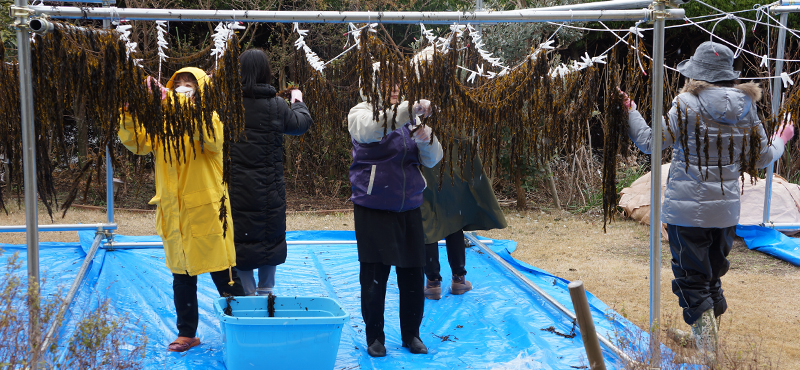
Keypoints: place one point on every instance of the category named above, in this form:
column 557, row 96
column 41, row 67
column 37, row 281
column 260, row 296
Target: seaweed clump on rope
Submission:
column 87, row 72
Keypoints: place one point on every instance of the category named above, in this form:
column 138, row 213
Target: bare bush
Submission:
column 100, row 340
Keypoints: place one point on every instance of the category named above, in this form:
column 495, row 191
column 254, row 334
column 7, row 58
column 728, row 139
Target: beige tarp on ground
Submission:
column 784, row 208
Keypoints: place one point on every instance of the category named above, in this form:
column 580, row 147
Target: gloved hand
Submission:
column 423, row 108
column 626, row 101
column 422, row 134
column 785, row 131
column 297, row 95
column 151, row 82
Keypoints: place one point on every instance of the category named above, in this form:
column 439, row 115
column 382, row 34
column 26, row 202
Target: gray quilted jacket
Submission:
column 693, row 198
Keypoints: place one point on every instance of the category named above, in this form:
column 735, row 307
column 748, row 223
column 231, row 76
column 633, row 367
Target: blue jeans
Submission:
column 266, row 280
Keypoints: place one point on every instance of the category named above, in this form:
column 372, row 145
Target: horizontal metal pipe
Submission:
column 71, row 293
column 542, row 293
column 785, row 9
column 603, row 5
column 144, row 245
column 782, row 226
column 524, row 15
column 61, row 227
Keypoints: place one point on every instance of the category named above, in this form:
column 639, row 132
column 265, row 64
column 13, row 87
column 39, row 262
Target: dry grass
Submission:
column 614, row 266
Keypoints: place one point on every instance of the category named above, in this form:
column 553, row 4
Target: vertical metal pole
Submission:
column 655, row 181
column 29, row 178
column 479, row 7
column 109, row 167
column 776, row 105
column 109, row 188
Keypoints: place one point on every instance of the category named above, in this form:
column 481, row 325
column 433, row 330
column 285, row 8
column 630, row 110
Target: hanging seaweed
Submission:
column 525, row 115
column 87, row 73
column 615, row 130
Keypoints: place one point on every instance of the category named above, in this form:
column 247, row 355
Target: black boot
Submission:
column 376, row 349
column 416, row 346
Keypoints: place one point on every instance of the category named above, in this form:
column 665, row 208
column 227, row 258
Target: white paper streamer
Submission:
column 162, row 45
column 311, row 56
column 130, row 47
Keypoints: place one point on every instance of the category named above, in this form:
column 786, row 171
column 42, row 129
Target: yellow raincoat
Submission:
column 188, row 196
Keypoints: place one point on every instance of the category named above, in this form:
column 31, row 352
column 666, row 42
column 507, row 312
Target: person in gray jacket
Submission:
column 701, row 202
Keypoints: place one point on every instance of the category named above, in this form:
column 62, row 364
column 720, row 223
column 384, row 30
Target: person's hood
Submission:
column 199, row 75
column 727, row 105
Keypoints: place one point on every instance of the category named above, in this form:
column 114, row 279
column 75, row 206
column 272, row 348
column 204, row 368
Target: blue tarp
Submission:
column 770, row 241
column 499, row 324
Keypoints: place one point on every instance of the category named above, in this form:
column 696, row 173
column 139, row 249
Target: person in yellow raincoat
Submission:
column 188, row 196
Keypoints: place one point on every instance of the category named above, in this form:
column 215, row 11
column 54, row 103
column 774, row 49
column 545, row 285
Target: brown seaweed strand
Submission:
column 683, row 134
column 743, row 160
column 731, row 148
column 755, row 153
column 697, row 145
column 616, row 122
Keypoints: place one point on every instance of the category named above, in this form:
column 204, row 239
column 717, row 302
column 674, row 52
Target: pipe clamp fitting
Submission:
column 20, row 15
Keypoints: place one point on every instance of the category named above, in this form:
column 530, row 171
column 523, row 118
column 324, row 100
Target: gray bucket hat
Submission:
column 711, row 62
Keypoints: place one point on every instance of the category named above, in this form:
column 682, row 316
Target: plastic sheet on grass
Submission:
column 500, row 324
column 770, row 241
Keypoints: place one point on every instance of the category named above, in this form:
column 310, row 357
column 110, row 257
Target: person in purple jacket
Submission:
column 387, row 187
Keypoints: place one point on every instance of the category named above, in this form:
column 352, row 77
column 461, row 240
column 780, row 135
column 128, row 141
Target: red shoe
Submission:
column 182, row 344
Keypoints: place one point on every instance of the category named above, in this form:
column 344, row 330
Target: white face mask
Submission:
column 188, row 91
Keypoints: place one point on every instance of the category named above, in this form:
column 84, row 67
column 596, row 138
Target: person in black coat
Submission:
column 257, row 188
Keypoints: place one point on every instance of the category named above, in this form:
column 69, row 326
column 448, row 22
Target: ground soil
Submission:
column 759, row 331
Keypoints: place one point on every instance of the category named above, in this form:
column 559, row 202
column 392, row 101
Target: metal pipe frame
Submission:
column 660, row 14
column 542, row 293
column 72, row 291
column 483, row 17
column 655, row 178
column 776, row 101
column 29, row 176
column 782, row 226
column 148, row 245
column 785, row 9
column 109, row 188
column 603, row 5
column 776, row 105
column 58, row 227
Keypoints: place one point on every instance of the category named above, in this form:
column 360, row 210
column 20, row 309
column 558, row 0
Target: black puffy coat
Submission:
column 257, row 188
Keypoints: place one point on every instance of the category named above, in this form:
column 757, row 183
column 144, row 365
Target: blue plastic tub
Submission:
column 304, row 334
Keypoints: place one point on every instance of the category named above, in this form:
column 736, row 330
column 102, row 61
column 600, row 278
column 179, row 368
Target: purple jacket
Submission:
column 385, row 175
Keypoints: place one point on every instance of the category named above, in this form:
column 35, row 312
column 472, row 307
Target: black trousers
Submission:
column 410, row 281
column 184, row 288
column 699, row 260
column 456, row 256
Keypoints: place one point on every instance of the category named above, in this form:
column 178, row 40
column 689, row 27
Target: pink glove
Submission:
column 422, row 135
column 785, row 131
column 151, row 82
column 297, row 95
column 423, row 108
column 626, row 101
